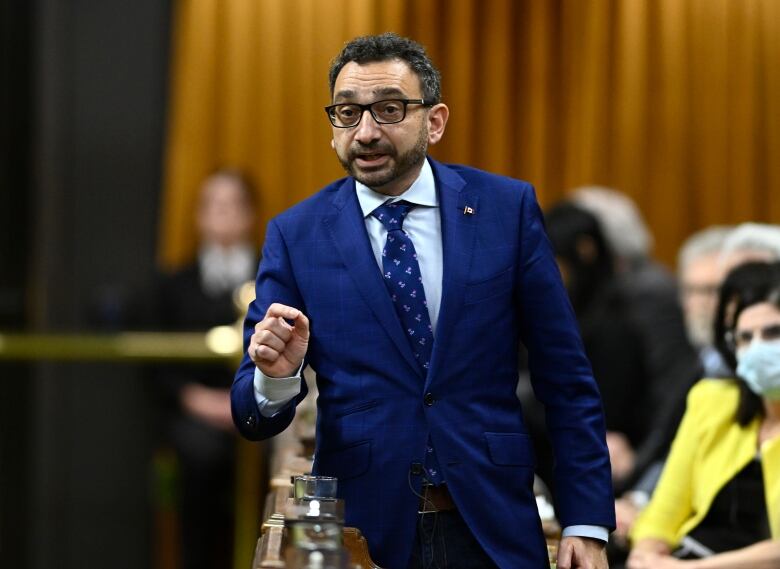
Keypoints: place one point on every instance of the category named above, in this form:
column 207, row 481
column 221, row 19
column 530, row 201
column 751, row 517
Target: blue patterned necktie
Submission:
column 402, row 276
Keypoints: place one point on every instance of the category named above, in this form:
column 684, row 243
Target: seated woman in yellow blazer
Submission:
column 718, row 500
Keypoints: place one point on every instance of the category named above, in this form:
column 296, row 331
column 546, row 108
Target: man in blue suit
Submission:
column 408, row 287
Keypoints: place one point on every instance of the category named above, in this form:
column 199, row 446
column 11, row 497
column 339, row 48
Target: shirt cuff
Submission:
column 595, row 532
column 273, row 393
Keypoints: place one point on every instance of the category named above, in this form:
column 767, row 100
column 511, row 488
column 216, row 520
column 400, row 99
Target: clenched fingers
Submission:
column 280, row 340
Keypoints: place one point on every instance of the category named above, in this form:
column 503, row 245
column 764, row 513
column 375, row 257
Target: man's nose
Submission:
column 367, row 130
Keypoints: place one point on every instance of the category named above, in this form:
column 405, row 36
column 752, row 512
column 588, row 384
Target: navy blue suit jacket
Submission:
column 501, row 286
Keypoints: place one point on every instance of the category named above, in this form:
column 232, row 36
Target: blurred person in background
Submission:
column 612, row 340
column 748, row 242
column 198, row 422
column 625, row 231
column 720, row 486
column 699, row 277
column 702, row 260
column 650, row 290
column 746, row 282
column 700, row 273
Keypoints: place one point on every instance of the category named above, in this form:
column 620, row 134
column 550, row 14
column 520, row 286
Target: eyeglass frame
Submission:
column 367, row 107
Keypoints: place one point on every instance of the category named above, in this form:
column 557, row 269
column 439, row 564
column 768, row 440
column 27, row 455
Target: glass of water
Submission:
column 310, row 487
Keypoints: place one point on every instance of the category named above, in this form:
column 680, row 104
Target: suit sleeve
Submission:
column 562, row 380
column 275, row 283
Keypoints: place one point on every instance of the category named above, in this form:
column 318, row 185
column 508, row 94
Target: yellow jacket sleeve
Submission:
column 672, row 501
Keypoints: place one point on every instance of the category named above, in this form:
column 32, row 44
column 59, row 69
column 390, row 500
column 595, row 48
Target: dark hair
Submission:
column 568, row 228
column 746, row 285
column 368, row 49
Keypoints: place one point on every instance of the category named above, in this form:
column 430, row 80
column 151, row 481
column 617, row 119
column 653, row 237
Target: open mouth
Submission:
column 371, row 159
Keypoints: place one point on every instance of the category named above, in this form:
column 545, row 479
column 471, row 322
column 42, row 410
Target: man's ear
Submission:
column 333, row 144
column 437, row 122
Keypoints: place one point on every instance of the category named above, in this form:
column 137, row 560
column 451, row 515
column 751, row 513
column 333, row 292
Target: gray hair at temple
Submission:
column 370, row 49
column 620, row 219
column 708, row 241
column 751, row 242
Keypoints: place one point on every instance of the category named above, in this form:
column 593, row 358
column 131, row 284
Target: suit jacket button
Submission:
column 250, row 421
column 428, row 399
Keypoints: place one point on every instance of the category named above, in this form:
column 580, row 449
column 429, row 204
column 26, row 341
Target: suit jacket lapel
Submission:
column 348, row 231
column 458, row 207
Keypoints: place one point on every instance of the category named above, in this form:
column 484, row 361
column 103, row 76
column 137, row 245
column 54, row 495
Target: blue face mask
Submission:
column 759, row 367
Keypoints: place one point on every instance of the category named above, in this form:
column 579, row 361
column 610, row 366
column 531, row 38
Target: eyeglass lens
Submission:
column 384, row 112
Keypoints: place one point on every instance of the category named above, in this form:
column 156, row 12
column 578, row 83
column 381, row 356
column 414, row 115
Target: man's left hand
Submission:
column 582, row 553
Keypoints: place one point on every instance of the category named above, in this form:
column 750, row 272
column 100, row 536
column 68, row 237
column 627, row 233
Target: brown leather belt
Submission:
column 436, row 499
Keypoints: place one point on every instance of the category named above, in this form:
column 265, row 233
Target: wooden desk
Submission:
column 269, row 553
column 272, row 544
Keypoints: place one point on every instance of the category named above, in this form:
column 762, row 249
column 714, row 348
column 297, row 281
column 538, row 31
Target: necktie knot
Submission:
column 392, row 214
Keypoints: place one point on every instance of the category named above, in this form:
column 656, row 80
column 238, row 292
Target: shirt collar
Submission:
column 421, row 192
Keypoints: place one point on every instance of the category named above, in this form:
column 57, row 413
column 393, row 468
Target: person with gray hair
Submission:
column 750, row 242
column 699, row 275
column 621, row 221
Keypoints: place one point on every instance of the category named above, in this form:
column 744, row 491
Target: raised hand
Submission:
column 277, row 348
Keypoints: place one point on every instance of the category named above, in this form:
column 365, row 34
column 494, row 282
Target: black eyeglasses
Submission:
column 388, row 111
column 741, row 338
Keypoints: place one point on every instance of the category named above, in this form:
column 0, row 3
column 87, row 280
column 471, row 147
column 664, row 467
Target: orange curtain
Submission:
column 675, row 102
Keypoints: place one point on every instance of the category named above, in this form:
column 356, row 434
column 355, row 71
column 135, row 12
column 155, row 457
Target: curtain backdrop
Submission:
column 675, row 102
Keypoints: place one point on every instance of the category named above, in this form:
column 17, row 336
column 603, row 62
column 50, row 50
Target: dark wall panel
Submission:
column 15, row 389
column 99, row 91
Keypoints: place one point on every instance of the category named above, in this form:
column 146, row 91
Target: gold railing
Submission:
column 220, row 345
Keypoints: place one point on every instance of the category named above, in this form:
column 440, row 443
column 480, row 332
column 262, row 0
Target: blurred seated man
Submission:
column 700, row 273
column 719, row 486
column 199, row 425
